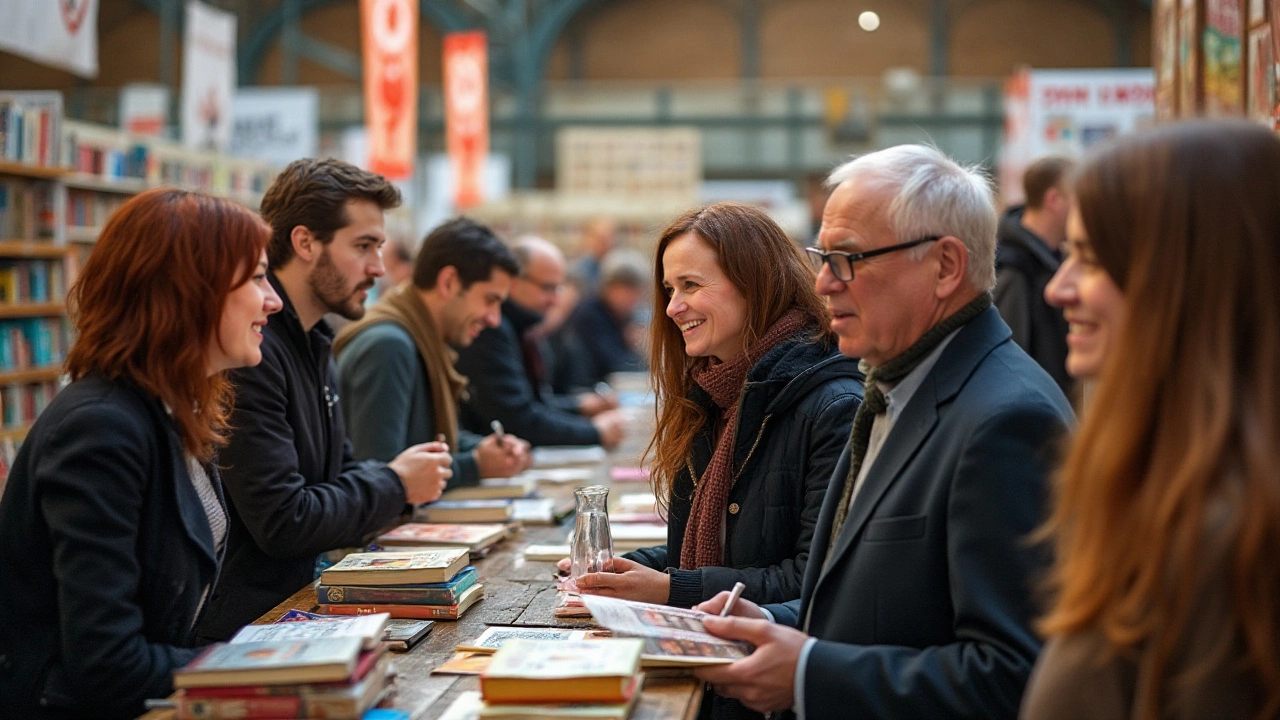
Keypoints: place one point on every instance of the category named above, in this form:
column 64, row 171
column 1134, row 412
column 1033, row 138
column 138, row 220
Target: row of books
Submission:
column 86, row 208
column 32, row 281
column 26, row 209
column 27, row 343
column 30, row 125
column 21, row 404
column 111, row 162
column 415, row 583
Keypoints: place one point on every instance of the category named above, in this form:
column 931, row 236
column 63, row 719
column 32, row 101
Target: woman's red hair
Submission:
column 149, row 299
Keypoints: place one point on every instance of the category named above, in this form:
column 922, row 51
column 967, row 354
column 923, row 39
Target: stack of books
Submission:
column 563, row 679
column 312, row 675
column 426, row 583
column 492, row 510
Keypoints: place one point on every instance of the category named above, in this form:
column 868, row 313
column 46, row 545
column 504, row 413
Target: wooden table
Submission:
column 516, row 592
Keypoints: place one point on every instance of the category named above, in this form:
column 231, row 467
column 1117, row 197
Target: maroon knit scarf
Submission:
column 724, row 382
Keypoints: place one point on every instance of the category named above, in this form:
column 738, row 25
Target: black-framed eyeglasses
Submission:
column 841, row 263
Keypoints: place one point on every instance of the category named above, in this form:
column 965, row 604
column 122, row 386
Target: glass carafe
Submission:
column 592, row 546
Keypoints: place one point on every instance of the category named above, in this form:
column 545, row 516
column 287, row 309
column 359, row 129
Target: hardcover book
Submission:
column 369, row 629
column 335, row 701
column 472, row 536
column 465, row 511
column 538, row 671
column 397, row 568
column 494, row 488
column 446, row 593
column 421, row 612
column 271, row 663
column 399, row 635
column 495, row 636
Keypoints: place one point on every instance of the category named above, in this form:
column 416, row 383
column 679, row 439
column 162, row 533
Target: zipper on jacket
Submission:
column 750, row 452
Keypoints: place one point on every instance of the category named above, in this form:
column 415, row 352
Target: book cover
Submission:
column 473, row 536
column 368, row 628
column 494, row 488
column 462, row 511
column 564, row 711
column 421, row 612
column 533, row 671
column 271, row 663
column 495, row 636
column 679, row 631
column 396, row 568
column 399, row 636
column 446, row 593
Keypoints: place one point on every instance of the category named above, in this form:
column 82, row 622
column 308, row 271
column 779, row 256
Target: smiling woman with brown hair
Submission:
column 1167, row 523
column 112, row 524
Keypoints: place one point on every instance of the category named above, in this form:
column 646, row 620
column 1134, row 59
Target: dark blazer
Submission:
column 500, row 389
column 924, row 609
column 605, row 349
column 1024, row 267
column 793, row 421
column 296, row 490
column 107, row 551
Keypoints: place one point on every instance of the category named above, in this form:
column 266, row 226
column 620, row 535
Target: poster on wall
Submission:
column 1188, row 58
column 1262, row 76
column 1166, row 58
column 389, row 34
column 1223, row 49
column 466, row 113
column 208, row 77
column 144, row 109
column 63, row 34
column 278, row 125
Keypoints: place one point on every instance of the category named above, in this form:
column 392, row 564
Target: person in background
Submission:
column 755, row 404
column 295, row 486
column 564, row 359
column 597, row 240
column 917, row 599
column 1167, row 515
column 604, row 325
column 112, row 527
column 504, row 367
column 395, row 366
column 1028, row 253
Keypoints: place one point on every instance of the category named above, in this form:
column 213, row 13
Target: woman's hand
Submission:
column 628, row 580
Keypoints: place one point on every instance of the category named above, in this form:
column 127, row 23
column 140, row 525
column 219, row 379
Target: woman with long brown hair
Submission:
column 754, row 406
column 113, row 522
column 1167, row 520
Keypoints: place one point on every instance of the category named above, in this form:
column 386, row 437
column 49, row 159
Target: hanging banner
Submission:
column 63, row 34
column 466, row 113
column 278, row 125
column 208, row 77
column 144, row 108
column 389, row 32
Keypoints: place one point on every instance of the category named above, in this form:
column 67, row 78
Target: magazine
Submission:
column 677, row 634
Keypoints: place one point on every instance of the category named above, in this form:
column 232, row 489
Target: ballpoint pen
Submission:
column 734, row 594
column 497, row 430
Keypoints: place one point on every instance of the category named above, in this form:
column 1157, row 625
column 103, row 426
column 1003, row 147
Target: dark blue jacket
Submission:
column 793, row 421
column 106, row 552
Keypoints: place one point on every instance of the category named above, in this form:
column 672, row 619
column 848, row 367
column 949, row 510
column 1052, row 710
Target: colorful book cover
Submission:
column 447, row 534
column 446, row 593
column 396, row 568
column 272, row 663
column 368, row 628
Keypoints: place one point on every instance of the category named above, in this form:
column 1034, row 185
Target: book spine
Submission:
column 414, row 612
column 402, row 595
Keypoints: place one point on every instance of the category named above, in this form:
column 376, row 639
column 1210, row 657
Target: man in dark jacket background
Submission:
column 1027, row 256
column 295, row 489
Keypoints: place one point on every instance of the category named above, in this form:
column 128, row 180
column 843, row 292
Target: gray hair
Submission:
column 624, row 266
column 933, row 195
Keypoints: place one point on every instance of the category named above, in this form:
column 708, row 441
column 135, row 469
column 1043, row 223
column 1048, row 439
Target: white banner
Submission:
column 208, row 77
column 278, row 125
column 61, row 33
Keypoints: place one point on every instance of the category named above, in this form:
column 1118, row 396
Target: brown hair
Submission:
column 314, row 193
column 772, row 275
column 1042, row 176
column 150, row 297
column 1186, row 414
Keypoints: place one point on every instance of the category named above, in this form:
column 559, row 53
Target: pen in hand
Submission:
column 734, row 594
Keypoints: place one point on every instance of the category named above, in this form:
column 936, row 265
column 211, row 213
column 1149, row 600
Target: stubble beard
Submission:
column 330, row 288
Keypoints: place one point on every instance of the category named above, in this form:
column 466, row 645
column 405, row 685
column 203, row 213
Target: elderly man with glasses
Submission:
column 917, row 600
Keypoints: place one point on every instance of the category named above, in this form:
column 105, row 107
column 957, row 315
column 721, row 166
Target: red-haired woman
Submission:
column 112, row 524
column 1167, row 521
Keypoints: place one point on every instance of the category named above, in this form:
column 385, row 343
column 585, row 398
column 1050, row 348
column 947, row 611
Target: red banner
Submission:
column 389, row 30
column 466, row 113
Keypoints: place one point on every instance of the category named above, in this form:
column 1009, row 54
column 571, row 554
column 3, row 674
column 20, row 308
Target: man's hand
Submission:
column 612, row 426
column 593, row 403
column 500, row 459
column 742, row 608
column 765, row 680
column 424, row 470
column 628, row 580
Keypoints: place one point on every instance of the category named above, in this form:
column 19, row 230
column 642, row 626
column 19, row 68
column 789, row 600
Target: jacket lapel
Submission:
column 190, row 509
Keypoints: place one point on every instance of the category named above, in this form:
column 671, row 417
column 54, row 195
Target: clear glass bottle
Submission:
column 592, row 546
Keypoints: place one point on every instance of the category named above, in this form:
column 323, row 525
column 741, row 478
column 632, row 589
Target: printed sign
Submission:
column 61, row 33
column 466, row 112
column 278, row 125
column 389, row 30
column 208, row 77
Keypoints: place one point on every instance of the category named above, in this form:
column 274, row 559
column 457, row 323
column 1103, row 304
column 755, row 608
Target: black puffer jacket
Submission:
column 793, row 422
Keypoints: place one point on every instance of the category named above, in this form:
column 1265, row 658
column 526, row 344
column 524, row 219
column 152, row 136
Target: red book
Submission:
column 367, row 662
column 417, row 612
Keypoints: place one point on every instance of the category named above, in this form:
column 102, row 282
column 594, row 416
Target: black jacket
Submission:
column 295, row 489
column 500, row 389
column 793, row 420
column 605, row 347
column 1024, row 267
column 107, row 552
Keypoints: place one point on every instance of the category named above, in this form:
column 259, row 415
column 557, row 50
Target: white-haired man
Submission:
column 917, row 602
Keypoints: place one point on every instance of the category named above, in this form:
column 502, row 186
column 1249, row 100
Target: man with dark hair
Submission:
column 294, row 486
column 604, row 325
column 395, row 367
column 1027, row 256
column 504, row 366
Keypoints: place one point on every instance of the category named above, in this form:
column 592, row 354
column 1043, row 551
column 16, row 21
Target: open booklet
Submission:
column 674, row 637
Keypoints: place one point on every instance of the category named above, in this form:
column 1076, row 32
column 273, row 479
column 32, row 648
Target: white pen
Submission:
column 734, row 594
column 497, row 430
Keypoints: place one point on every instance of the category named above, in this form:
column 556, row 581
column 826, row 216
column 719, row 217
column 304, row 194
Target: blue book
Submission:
column 445, row 593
